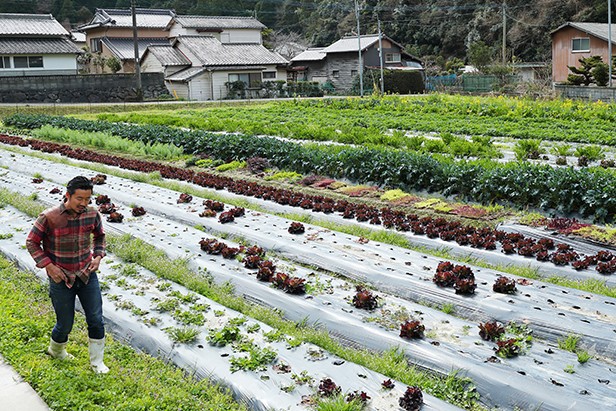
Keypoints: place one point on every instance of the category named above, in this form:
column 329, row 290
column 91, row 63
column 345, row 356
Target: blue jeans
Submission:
column 63, row 300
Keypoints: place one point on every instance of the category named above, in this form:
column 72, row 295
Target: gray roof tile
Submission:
column 599, row 30
column 222, row 22
column 212, row 52
column 186, row 74
column 37, row 46
column 168, row 56
column 146, row 18
column 30, row 24
column 348, row 44
column 313, row 54
column 123, row 46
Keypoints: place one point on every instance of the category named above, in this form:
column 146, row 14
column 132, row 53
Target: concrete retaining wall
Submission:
column 589, row 93
column 91, row 88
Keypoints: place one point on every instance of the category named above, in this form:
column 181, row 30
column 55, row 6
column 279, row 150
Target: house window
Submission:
column 353, row 73
column 252, row 80
column 5, row 62
column 20, row 62
column 392, row 57
column 269, row 75
column 28, row 61
column 95, row 45
column 336, row 73
column 35, row 61
column 582, row 44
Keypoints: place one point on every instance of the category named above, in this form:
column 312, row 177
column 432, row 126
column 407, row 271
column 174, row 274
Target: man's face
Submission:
column 78, row 201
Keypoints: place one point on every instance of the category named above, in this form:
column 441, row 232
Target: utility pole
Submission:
column 361, row 65
column 381, row 55
column 609, row 40
column 136, row 47
column 504, row 33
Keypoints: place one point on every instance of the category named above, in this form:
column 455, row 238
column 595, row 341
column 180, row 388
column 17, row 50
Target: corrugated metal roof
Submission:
column 348, row 44
column 211, row 52
column 30, row 46
column 123, row 47
column 313, row 54
column 43, row 25
column 186, row 74
column 599, row 30
column 168, row 56
column 221, row 22
column 146, row 18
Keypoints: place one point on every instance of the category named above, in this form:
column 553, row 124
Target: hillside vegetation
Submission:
column 440, row 27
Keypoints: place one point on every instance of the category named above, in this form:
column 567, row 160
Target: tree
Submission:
column 480, row 55
column 114, row 64
column 589, row 68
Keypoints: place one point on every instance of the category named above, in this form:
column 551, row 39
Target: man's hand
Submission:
column 93, row 266
column 55, row 273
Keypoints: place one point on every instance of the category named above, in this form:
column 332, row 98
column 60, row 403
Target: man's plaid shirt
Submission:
column 63, row 238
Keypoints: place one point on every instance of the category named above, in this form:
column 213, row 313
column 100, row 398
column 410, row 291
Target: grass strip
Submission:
column 393, row 363
column 136, row 381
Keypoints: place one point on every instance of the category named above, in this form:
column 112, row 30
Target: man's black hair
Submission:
column 79, row 183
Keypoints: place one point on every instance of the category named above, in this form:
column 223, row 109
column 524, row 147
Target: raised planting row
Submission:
column 437, row 230
column 385, row 269
column 263, row 368
column 369, row 120
column 591, row 192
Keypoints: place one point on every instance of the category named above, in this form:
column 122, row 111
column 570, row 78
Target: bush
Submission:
column 403, row 82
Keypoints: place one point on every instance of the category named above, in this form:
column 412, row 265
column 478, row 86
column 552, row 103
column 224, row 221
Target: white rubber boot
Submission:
column 97, row 350
column 58, row 350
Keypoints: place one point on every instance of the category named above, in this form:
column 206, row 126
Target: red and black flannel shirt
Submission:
column 62, row 237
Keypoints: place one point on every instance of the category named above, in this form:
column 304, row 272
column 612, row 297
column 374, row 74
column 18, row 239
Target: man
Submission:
column 60, row 241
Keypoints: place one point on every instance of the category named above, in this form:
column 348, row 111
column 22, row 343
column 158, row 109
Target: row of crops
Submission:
column 368, row 121
column 567, row 190
column 502, row 380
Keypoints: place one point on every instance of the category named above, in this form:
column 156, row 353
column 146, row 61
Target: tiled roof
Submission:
column 348, row 44
column 222, row 22
column 313, row 54
column 186, row 74
column 168, row 56
column 211, row 52
column 599, row 30
column 37, row 46
column 78, row 37
column 146, row 18
column 123, row 47
column 43, row 25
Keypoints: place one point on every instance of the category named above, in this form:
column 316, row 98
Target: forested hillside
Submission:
column 438, row 27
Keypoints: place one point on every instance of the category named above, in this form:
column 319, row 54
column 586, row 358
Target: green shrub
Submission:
column 233, row 165
column 591, row 152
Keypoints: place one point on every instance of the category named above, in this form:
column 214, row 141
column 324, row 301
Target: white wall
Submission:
column 200, row 87
column 150, row 64
column 242, row 36
column 177, row 89
column 53, row 64
column 219, row 78
column 60, row 62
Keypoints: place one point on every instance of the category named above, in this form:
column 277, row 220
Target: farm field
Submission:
column 287, row 272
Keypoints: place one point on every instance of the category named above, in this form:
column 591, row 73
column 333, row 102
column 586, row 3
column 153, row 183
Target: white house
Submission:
column 227, row 29
column 34, row 45
column 213, row 65
column 110, row 33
